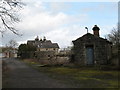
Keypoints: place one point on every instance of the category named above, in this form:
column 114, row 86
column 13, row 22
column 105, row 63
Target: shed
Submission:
column 90, row 49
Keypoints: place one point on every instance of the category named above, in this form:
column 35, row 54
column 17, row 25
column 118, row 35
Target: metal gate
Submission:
column 89, row 55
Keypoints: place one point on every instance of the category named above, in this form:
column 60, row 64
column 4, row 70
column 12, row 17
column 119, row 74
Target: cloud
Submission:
column 58, row 6
column 65, row 35
column 49, row 24
column 57, row 25
column 36, row 20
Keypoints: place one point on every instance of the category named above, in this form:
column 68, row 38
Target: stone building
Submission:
column 91, row 49
column 45, row 48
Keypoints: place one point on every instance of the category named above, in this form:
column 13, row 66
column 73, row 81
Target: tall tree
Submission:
column 8, row 15
column 26, row 51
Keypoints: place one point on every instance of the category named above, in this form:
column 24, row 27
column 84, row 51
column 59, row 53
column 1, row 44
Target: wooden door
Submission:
column 89, row 55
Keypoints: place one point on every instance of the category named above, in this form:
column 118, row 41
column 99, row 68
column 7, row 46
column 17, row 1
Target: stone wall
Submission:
column 102, row 49
column 54, row 60
column 48, row 49
column 45, row 55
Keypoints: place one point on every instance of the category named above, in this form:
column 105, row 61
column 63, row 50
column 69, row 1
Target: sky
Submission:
column 63, row 21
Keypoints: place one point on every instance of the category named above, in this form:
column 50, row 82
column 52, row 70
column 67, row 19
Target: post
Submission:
column 87, row 29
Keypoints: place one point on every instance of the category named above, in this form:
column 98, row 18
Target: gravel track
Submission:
column 21, row 75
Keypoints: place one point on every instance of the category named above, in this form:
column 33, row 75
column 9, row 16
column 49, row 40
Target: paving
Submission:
column 21, row 75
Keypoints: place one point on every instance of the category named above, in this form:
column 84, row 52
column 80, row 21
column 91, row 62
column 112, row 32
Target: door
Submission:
column 89, row 55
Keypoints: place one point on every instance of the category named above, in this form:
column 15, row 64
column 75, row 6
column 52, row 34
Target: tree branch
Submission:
column 8, row 15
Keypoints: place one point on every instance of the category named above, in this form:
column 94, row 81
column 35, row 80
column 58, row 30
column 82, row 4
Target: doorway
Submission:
column 89, row 55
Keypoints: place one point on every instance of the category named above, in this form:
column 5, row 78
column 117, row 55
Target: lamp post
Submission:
column 87, row 29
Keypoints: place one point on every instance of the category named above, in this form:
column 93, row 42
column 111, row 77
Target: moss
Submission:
column 81, row 77
column 62, row 70
column 113, row 84
column 102, row 78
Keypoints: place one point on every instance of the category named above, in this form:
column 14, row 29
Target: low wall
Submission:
column 55, row 60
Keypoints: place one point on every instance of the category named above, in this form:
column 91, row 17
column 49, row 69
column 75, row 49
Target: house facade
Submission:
column 91, row 49
column 45, row 48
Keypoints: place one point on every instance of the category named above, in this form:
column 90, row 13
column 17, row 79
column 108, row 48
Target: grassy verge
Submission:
column 89, row 77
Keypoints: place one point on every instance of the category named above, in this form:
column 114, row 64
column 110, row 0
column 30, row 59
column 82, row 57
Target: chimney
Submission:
column 96, row 30
column 37, row 38
column 44, row 39
column 40, row 39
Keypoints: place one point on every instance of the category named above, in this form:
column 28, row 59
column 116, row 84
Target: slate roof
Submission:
column 43, row 44
column 49, row 45
column 93, row 37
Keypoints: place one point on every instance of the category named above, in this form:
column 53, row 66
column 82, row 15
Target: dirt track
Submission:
column 22, row 76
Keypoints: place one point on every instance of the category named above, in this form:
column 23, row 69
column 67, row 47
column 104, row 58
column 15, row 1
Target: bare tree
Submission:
column 114, row 36
column 8, row 15
column 12, row 43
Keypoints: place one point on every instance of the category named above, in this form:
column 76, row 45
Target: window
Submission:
column 38, row 46
column 48, row 55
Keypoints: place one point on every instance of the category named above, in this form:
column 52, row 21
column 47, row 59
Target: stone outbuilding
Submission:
column 91, row 49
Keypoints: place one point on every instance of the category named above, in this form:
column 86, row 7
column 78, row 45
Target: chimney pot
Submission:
column 44, row 39
column 37, row 38
column 96, row 30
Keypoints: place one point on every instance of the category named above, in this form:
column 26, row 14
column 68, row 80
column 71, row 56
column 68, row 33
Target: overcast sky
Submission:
column 63, row 21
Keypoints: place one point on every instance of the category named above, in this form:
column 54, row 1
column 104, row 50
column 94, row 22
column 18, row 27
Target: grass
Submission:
column 89, row 77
